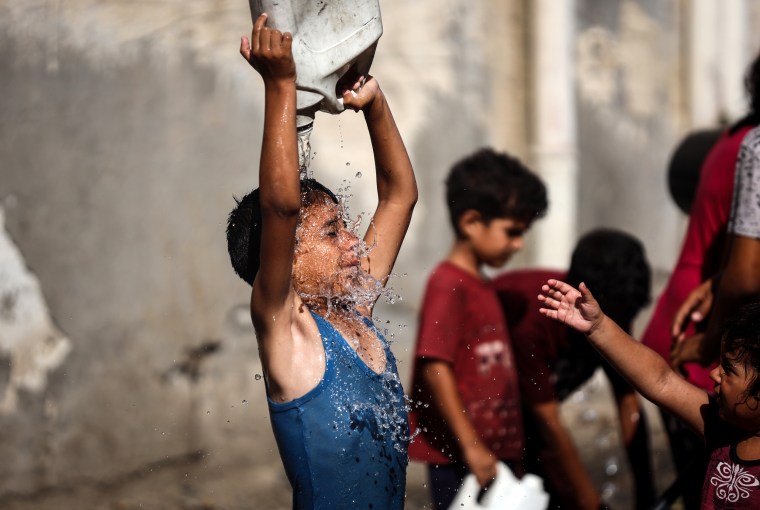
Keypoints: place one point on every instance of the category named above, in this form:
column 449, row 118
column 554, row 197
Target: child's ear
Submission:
column 469, row 221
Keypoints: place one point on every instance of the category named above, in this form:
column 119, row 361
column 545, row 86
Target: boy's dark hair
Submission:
column 752, row 85
column 613, row 265
column 495, row 185
column 741, row 336
column 244, row 227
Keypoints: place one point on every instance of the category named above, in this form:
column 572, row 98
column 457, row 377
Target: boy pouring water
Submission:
column 335, row 399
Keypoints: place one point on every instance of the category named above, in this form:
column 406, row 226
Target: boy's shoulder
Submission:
column 450, row 277
column 450, row 286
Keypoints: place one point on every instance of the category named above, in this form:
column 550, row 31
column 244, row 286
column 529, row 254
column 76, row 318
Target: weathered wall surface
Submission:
column 115, row 193
column 628, row 89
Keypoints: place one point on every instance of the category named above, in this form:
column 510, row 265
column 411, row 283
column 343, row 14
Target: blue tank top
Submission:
column 344, row 443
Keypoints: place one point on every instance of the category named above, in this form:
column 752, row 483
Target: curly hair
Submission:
column 495, row 185
column 741, row 338
column 244, row 227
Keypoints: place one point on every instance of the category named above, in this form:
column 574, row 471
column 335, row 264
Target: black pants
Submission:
column 690, row 459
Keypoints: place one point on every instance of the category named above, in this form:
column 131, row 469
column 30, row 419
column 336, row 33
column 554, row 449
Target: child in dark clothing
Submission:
column 335, row 399
column 729, row 421
column 465, row 389
column 554, row 360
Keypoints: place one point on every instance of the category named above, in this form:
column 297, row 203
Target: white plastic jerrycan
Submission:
column 506, row 492
column 329, row 37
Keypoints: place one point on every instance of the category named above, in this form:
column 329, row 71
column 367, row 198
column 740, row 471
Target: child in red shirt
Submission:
column 466, row 402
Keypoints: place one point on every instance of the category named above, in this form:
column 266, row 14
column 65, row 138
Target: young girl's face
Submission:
column 732, row 383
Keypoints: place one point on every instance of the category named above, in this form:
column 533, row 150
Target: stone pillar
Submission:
column 554, row 137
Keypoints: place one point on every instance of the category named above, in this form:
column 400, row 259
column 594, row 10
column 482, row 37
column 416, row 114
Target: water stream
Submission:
column 304, row 150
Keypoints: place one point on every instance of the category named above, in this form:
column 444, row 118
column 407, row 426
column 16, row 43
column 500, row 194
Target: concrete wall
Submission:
column 628, row 91
column 126, row 128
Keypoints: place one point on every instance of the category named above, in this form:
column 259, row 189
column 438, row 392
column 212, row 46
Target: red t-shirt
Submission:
column 536, row 340
column 702, row 247
column 552, row 360
column 461, row 323
column 730, row 482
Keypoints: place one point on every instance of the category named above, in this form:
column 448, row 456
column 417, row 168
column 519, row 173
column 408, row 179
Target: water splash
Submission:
column 358, row 289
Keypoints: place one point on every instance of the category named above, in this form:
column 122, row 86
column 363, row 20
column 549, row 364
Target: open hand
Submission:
column 694, row 309
column 358, row 92
column 687, row 351
column 577, row 309
column 269, row 52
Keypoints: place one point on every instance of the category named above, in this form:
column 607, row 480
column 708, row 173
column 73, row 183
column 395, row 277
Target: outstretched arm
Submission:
column 269, row 52
column 396, row 185
column 641, row 366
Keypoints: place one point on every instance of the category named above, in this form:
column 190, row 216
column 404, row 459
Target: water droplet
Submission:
column 611, row 466
column 257, row 377
column 358, row 175
column 245, row 402
column 608, row 490
column 589, row 415
column 348, row 164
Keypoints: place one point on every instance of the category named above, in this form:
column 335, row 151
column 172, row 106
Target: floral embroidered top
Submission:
column 730, row 482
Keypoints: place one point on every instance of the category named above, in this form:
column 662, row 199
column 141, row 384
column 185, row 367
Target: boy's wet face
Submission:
column 327, row 260
column 732, row 383
column 495, row 242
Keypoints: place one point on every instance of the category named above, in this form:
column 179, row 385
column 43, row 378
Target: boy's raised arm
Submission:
column 641, row 366
column 396, row 185
column 269, row 52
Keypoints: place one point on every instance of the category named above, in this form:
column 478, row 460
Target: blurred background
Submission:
column 129, row 373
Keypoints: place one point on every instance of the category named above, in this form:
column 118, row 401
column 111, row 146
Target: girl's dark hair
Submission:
column 495, row 185
column 741, row 337
column 244, row 227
